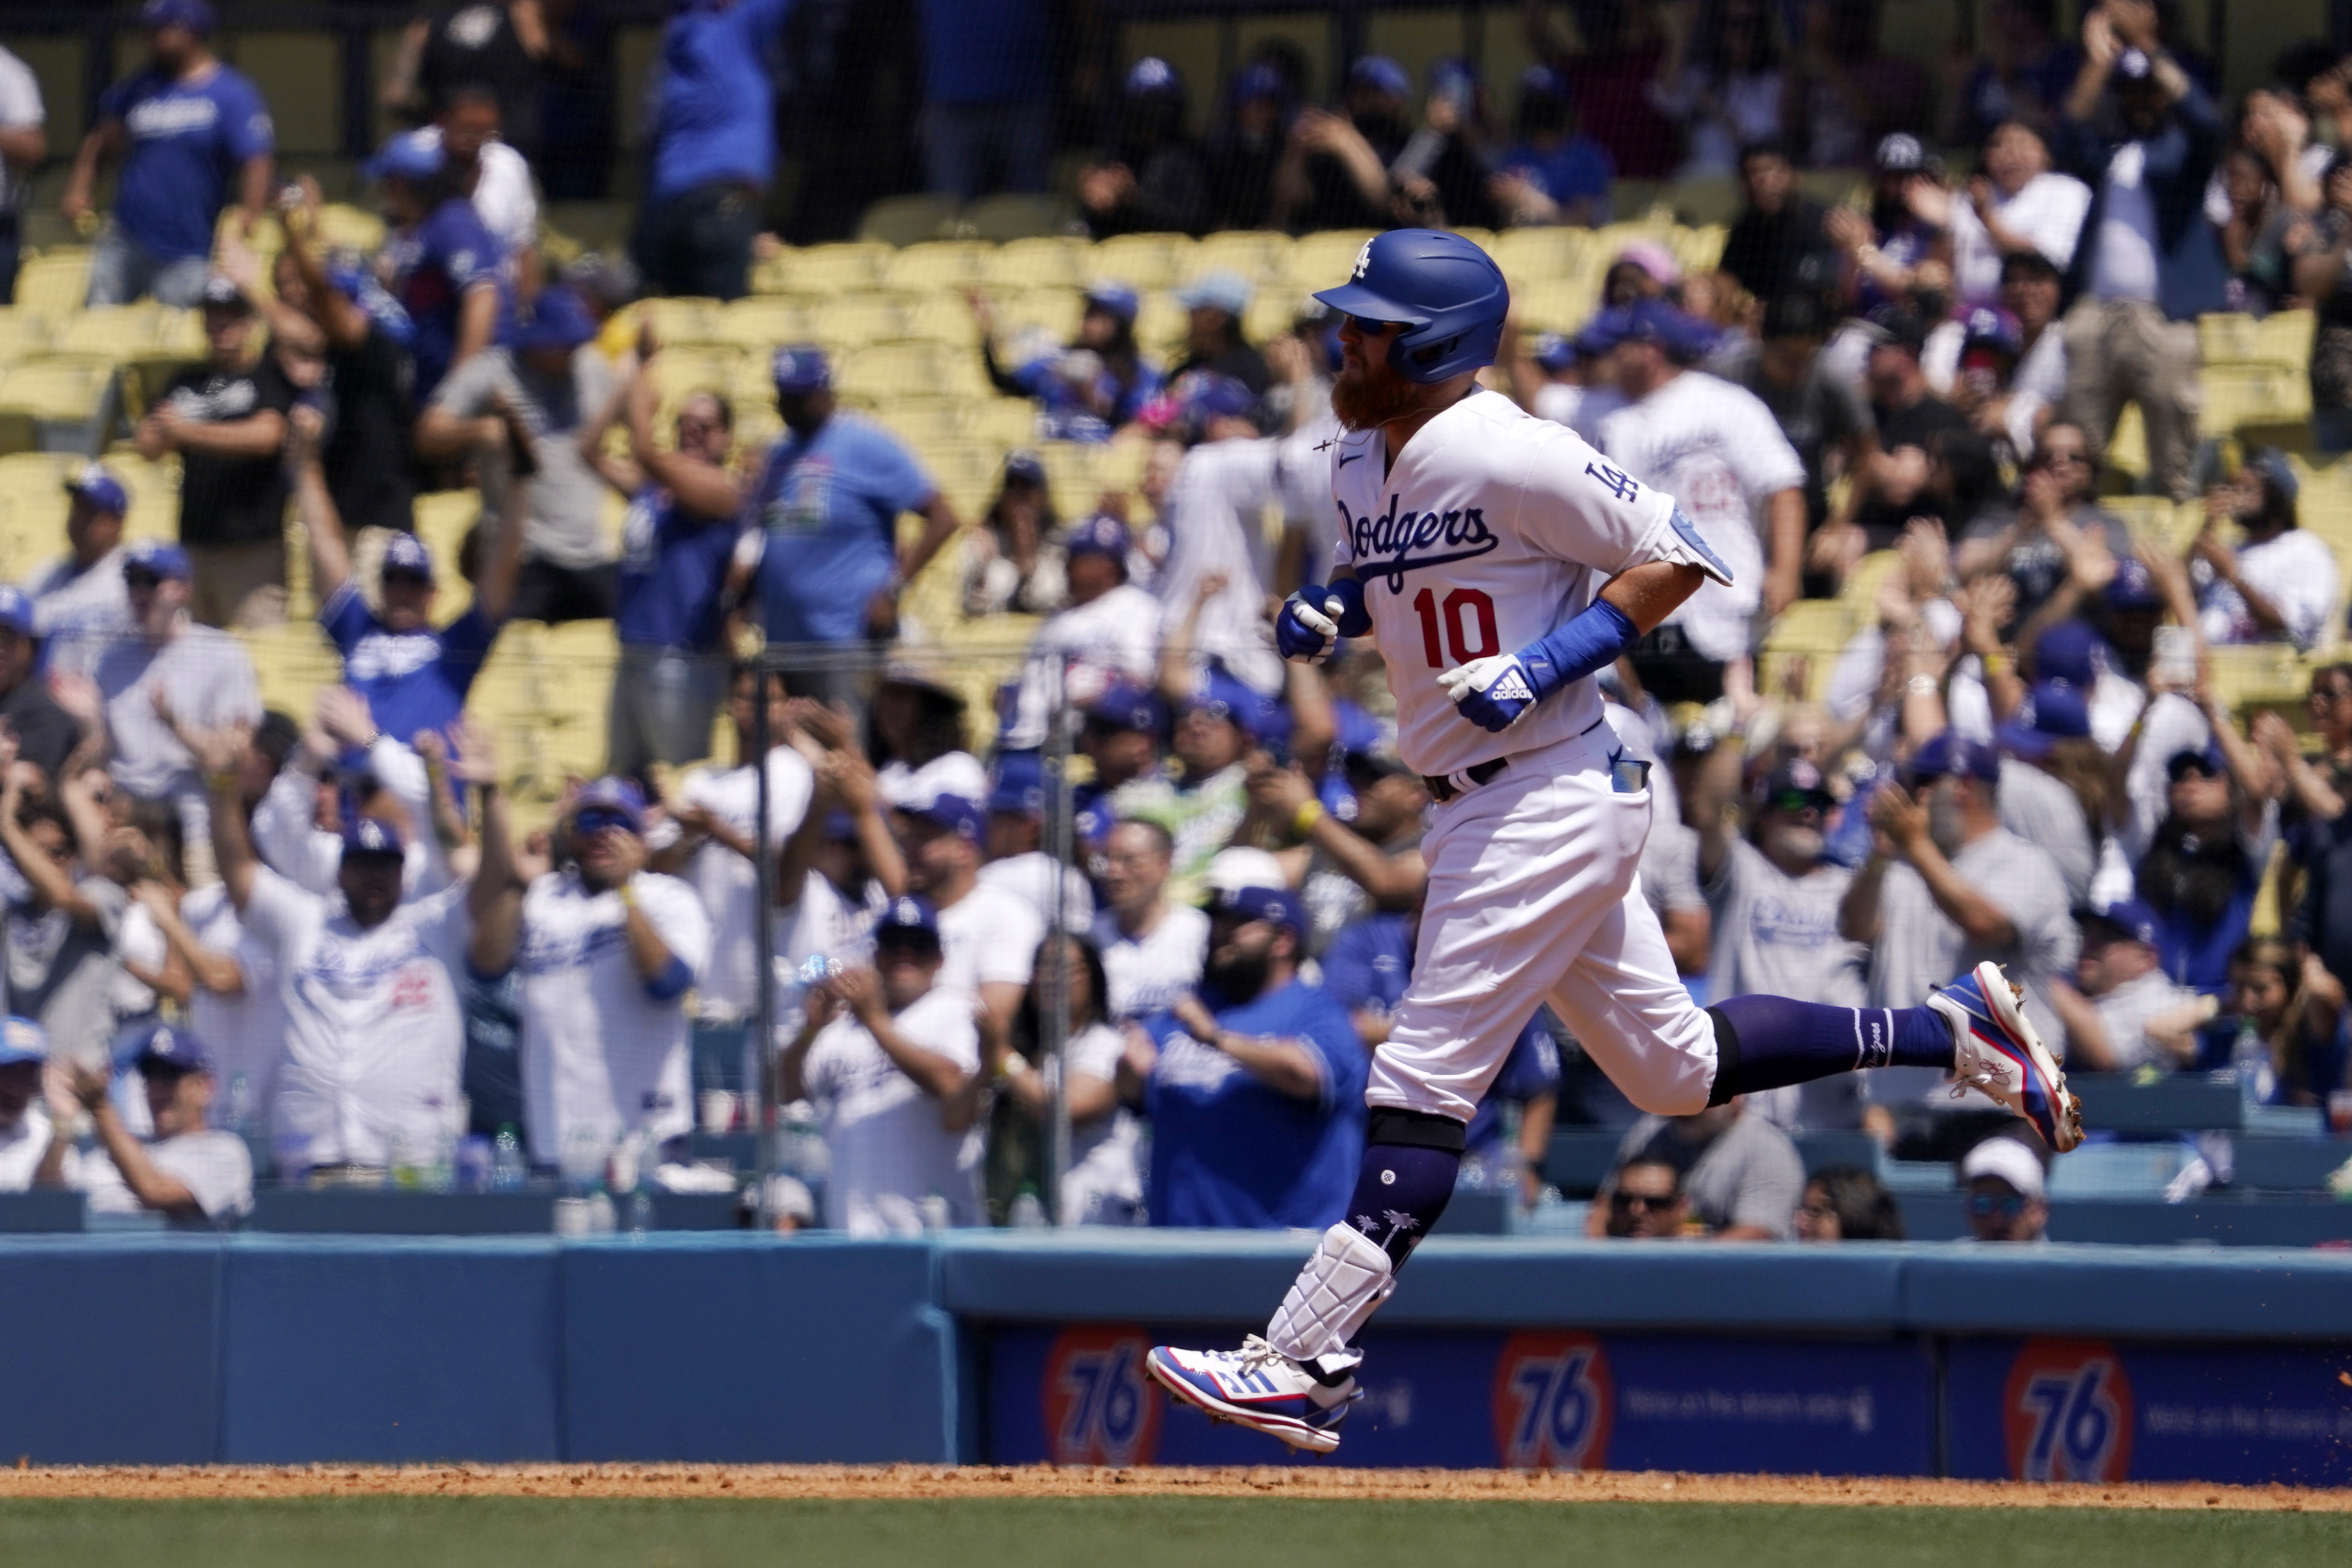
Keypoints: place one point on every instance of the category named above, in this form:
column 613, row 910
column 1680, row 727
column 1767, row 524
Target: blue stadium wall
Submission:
column 2103, row 1364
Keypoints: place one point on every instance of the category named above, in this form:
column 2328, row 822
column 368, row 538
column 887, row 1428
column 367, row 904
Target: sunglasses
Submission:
column 911, row 945
column 595, row 822
column 1629, row 1202
column 417, row 579
column 1795, row 800
column 143, row 579
column 2007, row 1205
column 1372, row 329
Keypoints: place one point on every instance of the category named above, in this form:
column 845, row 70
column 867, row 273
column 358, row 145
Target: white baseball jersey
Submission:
column 215, row 1167
column 1492, row 528
column 1216, row 524
column 728, row 883
column 597, row 1051
column 1030, row 877
column 22, row 1144
column 1718, row 450
column 988, row 936
column 888, row 1146
column 288, row 837
column 247, row 1033
column 79, row 612
column 1115, row 637
column 1147, row 973
column 374, row 1038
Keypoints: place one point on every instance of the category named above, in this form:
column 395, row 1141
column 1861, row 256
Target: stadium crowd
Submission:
column 312, row 933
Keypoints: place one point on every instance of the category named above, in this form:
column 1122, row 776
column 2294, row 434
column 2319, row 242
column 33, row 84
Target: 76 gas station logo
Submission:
column 1553, row 1403
column 1100, row 1407
column 2067, row 1413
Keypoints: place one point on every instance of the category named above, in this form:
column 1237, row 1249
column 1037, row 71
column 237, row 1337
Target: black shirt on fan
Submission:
column 231, row 501
column 370, row 472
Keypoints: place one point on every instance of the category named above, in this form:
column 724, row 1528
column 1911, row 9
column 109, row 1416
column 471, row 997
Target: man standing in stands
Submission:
column 608, row 951
column 367, row 977
column 189, row 1173
column 714, row 148
column 227, row 423
column 1152, row 947
column 79, row 602
column 190, row 131
column 46, row 734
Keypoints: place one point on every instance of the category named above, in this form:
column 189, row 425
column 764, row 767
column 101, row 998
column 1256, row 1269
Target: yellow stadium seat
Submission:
column 924, row 423
column 59, row 392
column 22, row 335
column 1141, row 261
column 2127, row 450
column 944, row 317
column 949, row 264
column 1540, row 254
column 854, row 321
column 1812, row 627
column 112, row 331
column 2237, row 394
column 677, row 372
column 1484, row 239
column 1162, row 324
column 1001, row 421
column 1046, row 261
column 2156, row 518
column 1555, row 306
column 1272, row 314
column 892, row 369
column 54, row 285
column 825, row 269
column 683, row 319
column 1012, row 217
column 1070, row 473
column 2286, row 339
column 1258, row 254
column 757, row 322
column 1053, row 311
column 1705, row 201
column 342, row 227
column 2226, row 337
column 1698, row 250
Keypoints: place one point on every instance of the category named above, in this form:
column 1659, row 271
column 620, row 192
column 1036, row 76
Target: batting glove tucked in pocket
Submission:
column 1493, row 693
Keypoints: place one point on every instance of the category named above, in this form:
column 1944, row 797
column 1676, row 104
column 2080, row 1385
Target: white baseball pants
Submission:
column 1532, row 895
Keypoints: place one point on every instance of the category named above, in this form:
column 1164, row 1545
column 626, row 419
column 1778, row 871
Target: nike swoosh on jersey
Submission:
column 1347, row 460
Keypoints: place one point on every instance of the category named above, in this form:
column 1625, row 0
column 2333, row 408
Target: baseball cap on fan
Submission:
column 2055, row 711
column 372, row 835
column 23, row 1040
column 161, row 1047
column 801, row 367
column 2007, row 1161
column 196, row 16
column 1952, row 755
column 609, row 802
column 1101, row 534
column 411, row 156
column 95, row 484
column 404, row 554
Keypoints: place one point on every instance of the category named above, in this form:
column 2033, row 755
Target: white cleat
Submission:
column 1997, row 1050
column 1259, row 1387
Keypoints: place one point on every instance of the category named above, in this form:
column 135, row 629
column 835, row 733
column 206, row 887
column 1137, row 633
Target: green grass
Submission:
column 1139, row 1532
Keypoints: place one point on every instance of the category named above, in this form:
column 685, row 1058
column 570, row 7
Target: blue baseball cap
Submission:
column 1222, row 697
column 801, row 367
column 1604, row 332
column 558, row 320
column 196, row 16
column 2066, row 652
column 23, row 1040
column 2270, row 464
column 1018, row 788
column 149, row 1046
column 1226, row 291
column 1259, row 81
column 1201, row 395
column 2206, row 758
column 1101, row 534
column 160, row 556
column 1382, row 73
column 1279, row 906
column 610, row 801
column 1952, row 755
column 1542, row 81
column 1025, row 466
column 16, row 612
column 1683, row 337
column 1995, row 328
column 1552, row 351
column 96, row 484
column 909, row 921
column 411, row 156
column 2135, row 918
column 2054, row 711
column 406, row 552
column 954, row 812
column 2132, row 587
column 1129, row 707
column 1454, row 72
column 1152, row 75
column 1115, row 297
column 372, row 836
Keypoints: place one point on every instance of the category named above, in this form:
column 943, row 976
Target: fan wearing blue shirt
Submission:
column 1554, row 174
column 821, row 528
column 414, row 678
column 446, row 266
column 1255, row 1086
column 714, row 146
column 675, row 541
column 189, row 130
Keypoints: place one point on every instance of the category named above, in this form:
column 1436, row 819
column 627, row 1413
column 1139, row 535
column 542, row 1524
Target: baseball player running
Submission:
column 1499, row 561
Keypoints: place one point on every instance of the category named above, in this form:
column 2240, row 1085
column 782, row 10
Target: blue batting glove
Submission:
column 1303, row 633
column 1493, row 693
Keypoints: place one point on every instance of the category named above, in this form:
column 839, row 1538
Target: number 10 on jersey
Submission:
column 1444, row 622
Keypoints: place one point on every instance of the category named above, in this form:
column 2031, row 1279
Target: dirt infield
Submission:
column 926, row 1483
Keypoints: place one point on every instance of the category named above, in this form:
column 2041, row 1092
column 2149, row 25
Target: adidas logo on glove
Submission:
column 1512, row 687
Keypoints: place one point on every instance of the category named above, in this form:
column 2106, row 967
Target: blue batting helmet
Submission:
column 1448, row 293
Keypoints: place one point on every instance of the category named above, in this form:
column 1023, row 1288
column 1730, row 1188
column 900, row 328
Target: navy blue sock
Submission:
column 1770, row 1042
column 1401, row 1187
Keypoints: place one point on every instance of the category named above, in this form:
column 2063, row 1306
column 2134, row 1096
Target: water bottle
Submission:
column 508, row 1170
column 1028, row 1211
column 583, row 1162
column 641, row 1209
column 239, row 1119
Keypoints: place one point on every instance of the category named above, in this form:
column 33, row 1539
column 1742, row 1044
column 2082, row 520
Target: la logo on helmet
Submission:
column 1363, row 259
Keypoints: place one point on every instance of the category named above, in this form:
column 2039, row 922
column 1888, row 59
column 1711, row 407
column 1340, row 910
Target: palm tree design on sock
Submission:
column 1397, row 1225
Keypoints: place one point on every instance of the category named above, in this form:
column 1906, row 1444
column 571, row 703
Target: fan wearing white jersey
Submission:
column 1718, row 452
column 607, row 951
column 1498, row 561
column 375, row 1040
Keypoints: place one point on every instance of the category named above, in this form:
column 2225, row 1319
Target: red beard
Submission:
column 1369, row 398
